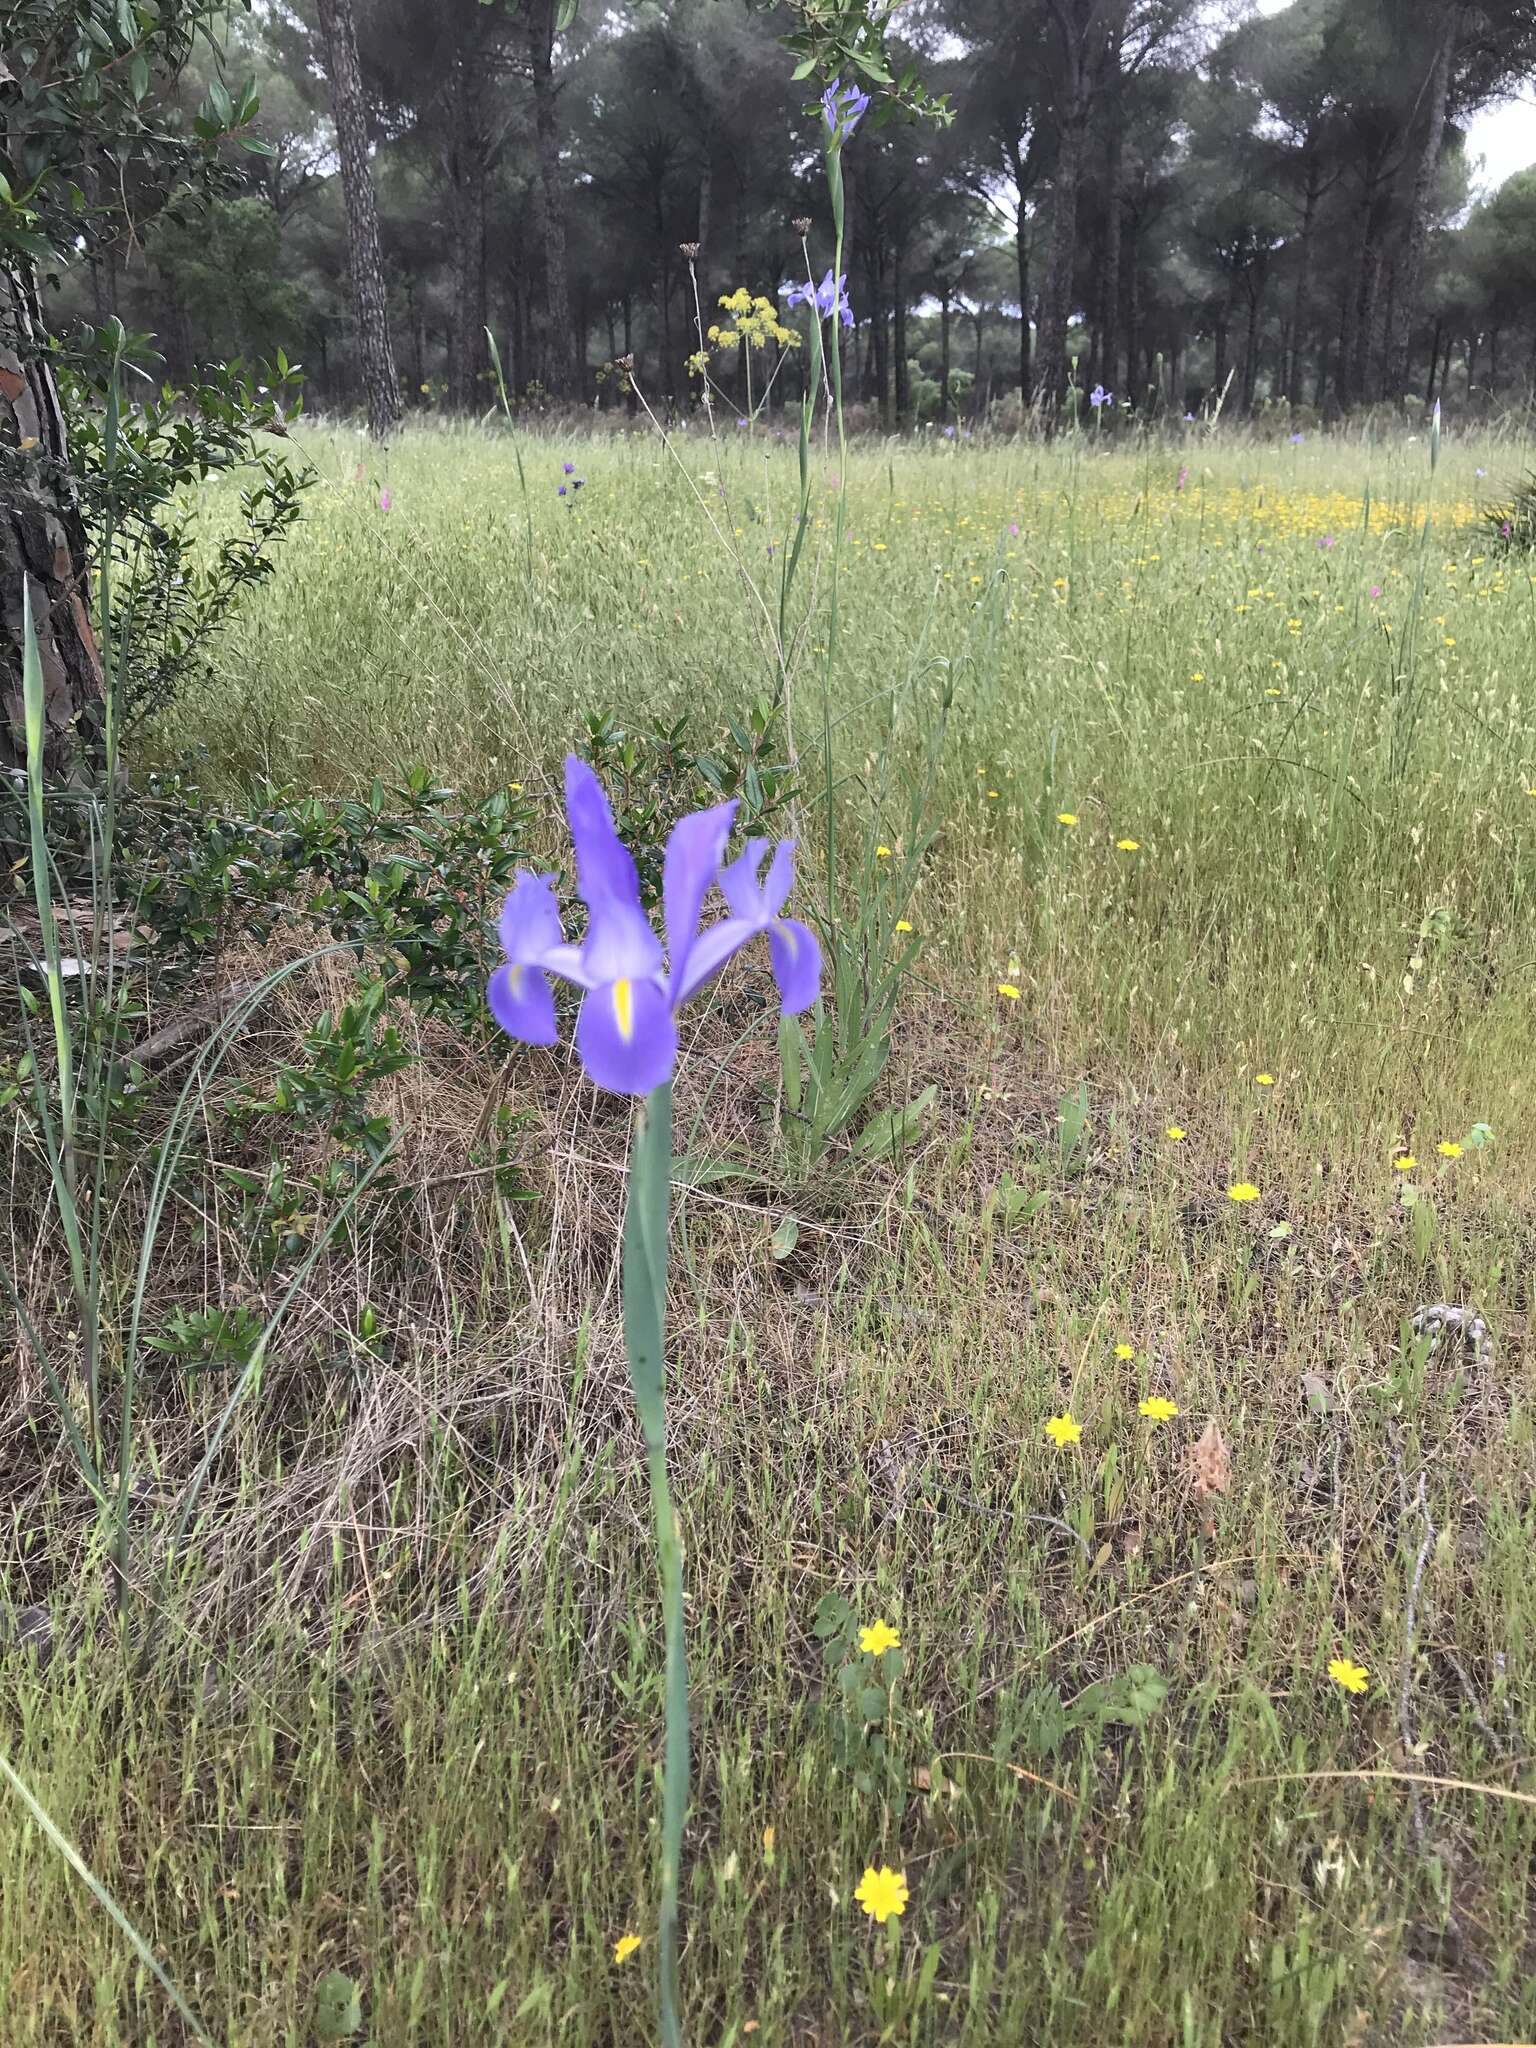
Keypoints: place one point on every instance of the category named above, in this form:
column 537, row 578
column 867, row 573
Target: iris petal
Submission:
column 796, row 956
column 523, row 1005
column 709, row 953
column 692, row 863
column 619, row 942
column 626, row 1037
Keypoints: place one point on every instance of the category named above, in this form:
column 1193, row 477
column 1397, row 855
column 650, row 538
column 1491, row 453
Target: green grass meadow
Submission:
column 1204, row 776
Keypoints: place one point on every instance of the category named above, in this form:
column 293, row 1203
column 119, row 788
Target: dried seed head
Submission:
column 689, row 249
column 801, row 225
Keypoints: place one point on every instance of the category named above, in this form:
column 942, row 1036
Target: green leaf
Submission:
column 138, row 76
column 873, row 1703
column 786, row 1237
column 338, row 2007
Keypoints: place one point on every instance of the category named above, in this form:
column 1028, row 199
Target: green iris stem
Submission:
column 645, row 1312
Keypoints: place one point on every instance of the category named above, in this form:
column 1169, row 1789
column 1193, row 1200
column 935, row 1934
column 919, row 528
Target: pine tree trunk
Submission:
column 549, row 203
column 1021, row 252
column 1411, row 265
column 42, row 548
column 1302, row 294
column 466, row 206
column 381, row 381
column 1114, row 178
column 899, row 338
column 1056, row 299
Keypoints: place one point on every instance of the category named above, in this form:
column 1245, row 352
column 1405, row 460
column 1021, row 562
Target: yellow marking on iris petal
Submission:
column 515, row 980
column 624, row 1009
column 789, row 939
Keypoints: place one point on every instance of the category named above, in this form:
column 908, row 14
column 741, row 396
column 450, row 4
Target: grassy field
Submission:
column 1223, row 880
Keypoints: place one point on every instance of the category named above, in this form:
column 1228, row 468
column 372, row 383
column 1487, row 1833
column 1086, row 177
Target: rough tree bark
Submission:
column 466, row 211
column 549, row 203
column 42, row 549
column 1411, row 262
column 1114, row 180
column 381, row 381
column 1056, row 298
column 1301, row 297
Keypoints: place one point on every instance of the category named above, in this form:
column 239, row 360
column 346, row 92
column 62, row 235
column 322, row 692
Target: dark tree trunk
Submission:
column 42, row 550
column 1021, row 252
column 943, row 357
column 466, row 204
column 899, row 337
column 1302, row 293
column 1416, row 239
column 1056, row 298
column 549, row 202
column 370, row 304
column 1434, row 362
column 1219, row 363
column 1109, row 284
column 1251, row 343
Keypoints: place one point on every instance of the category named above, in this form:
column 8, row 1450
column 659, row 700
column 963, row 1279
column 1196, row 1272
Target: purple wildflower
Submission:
column 842, row 108
column 626, row 1034
column 559, row 490
column 1183, row 476
column 1327, row 540
column 1099, row 396
column 569, row 468
column 825, row 297
column 1296, row 440
column 1013, row 528
column 385, row 501
column 1375, row 590
column 741, row 422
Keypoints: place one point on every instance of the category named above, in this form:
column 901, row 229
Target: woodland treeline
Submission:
column 1267, row 208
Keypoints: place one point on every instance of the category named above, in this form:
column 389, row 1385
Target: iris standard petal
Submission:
column 530, row 917
column 709, row 953
column 739, row 882
column 693, row 856
column 796, row 957
column 780, row 878
column 523, row 1004
column 619, row 943
column 626, row 1037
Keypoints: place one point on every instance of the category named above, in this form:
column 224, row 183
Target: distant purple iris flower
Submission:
column 842, row 108
column 568, row 467
column 825, row 297
column 559, row 490
column 1296, row 440
column 626, row 1033
column 1099, row 396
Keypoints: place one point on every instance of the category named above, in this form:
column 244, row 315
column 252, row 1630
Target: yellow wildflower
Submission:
column 882, row 853
column 1006, row 988
column 879, row 1637
column 1158, row 1408
column 1125, row 1351
column 1063, row 1430
column 1351, row 1676
column 1448, row 1149
column 1175, row 1134
column 1404, row 1162
column 1128, row 845
column 625, row 1947
column 1242, row 1191
column 1068, row 818
column 1264, row 1080
column 902, row 925
column 882, row 1893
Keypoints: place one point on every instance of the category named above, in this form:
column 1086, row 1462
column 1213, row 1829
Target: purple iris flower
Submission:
column 1296, row 440
column 826, row 297
column 568, row 467
column 1099, row 396
column 626, row 1033
column 842, row 108
column 559, row 490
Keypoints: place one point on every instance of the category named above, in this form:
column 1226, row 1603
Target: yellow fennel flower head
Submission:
column 1351, row 1676
column 1125, row 1351
column 882, row 1893
column 1448, row 1149
column 625, row 1947
column 1068, row 818
column 1404, row 1162
column 1006, row 988
column 1158, row 1408
column 1242, row 1191
column 1063, row 1430
column 1175, row 1134
column 879, row 1637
